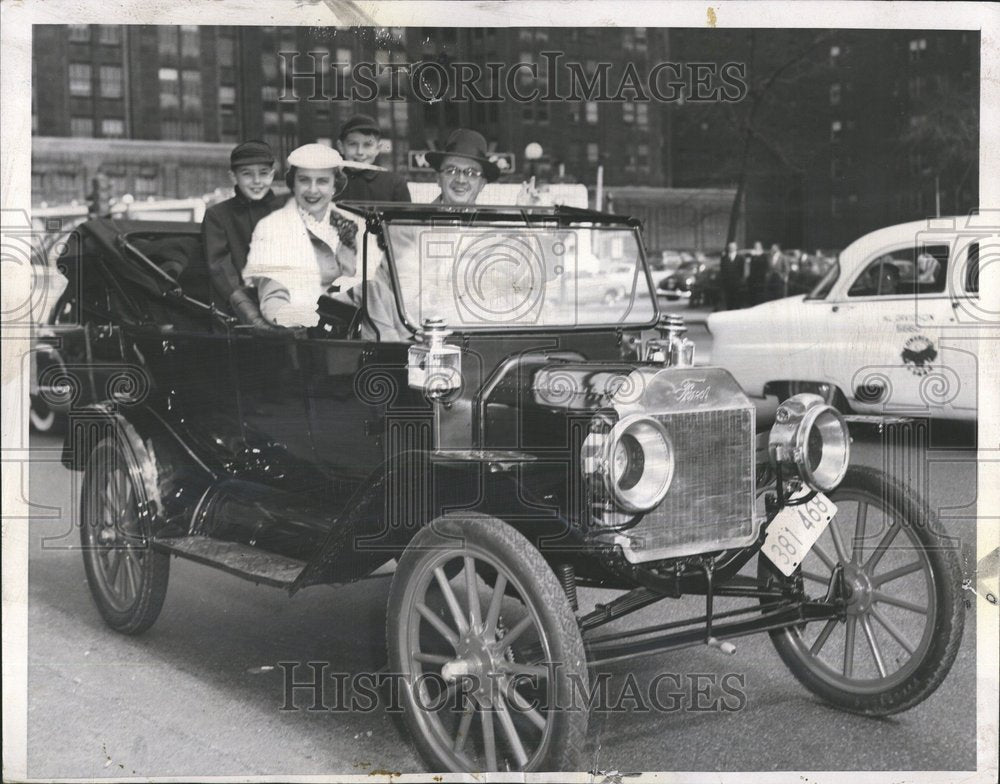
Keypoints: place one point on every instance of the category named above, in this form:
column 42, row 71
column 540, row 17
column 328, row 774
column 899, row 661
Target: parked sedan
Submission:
column 677, row 285
column 891, row 328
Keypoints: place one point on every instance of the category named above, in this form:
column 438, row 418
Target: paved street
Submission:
column 202, row 693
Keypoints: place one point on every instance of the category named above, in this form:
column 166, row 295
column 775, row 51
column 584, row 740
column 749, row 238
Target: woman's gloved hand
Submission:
column 247, row 311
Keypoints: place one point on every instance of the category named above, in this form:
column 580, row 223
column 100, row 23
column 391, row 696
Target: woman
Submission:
column 297, row 253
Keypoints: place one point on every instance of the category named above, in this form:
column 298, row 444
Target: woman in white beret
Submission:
column 309, row 246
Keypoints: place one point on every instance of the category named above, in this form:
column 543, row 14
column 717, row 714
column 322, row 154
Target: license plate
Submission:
column 795, row 529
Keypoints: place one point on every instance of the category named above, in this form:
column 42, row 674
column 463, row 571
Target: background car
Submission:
column 880, row 333
column 677, row 285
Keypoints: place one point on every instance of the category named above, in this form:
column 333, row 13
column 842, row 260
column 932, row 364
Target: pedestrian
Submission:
column 228, row 226
column 359, row 142
column 757, row 275
column 463, row 167
column 732, row 277
column 298, row 252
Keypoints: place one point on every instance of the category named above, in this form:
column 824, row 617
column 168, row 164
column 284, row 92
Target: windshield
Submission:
column 821, row 289
column 513, row 275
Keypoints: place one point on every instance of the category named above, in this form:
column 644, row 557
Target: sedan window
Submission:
column 907, row 271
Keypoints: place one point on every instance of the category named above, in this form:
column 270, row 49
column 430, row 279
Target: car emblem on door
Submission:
column 918, row 353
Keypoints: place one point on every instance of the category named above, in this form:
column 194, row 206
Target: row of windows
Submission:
column 106, row 34
column 81, row 79
column 111, row 127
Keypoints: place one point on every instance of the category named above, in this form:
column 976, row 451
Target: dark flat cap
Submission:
column 360, row 122
column 250, row 152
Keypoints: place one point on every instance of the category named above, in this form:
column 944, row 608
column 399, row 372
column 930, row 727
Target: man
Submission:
column 359, row 143
column 757, row 276
column 463, row 167
column 732, row 277
column 298, row 252
column 228, row 226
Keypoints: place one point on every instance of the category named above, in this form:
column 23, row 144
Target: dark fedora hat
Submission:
column 468, row 144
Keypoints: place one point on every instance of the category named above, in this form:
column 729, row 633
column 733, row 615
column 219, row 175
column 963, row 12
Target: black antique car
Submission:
column 531, row 440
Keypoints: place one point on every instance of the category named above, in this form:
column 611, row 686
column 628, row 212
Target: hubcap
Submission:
column 859, row 588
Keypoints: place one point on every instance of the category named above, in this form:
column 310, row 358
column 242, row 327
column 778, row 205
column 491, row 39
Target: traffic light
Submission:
column 99, row 198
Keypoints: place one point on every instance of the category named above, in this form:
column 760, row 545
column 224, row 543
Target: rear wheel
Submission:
column 127, row 579
column 903, row 616
column 43, row 419
column 493, row 671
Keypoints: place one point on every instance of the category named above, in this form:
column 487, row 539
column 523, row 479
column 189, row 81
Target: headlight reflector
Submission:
column 810, row 440
column 634, row 461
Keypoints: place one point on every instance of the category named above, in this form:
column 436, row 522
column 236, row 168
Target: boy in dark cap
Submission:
column 228, row 226
column 358, row 142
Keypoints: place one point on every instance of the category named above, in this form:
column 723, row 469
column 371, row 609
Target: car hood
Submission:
column 777, row 310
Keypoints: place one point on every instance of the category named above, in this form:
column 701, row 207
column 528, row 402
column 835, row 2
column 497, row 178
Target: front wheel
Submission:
column 127, row 578
column 900, row 593
column 490, row 658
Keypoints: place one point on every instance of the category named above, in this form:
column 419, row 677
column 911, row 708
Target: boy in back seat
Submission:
column 228, row 226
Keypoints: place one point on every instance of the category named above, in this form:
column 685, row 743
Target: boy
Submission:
column 228, row 226
column 358, row 142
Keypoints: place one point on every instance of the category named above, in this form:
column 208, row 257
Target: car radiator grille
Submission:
column 711, row 499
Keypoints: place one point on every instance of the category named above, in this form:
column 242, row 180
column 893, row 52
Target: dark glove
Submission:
column 247, row 311
column 347, row 230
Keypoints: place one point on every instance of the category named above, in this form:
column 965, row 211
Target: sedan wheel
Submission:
column 898, row 584
column 127, row 578
column 492, row 665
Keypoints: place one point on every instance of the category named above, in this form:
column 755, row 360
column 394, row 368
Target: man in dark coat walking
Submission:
column 228, row 226
column 359, row 142
column 732, row 277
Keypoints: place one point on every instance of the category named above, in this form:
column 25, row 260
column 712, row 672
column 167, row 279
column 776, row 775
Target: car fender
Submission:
column 173, row 477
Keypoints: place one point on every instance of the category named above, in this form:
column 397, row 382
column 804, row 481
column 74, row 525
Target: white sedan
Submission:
column 895, row 328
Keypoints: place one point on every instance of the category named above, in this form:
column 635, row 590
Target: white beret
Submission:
column 319, row 156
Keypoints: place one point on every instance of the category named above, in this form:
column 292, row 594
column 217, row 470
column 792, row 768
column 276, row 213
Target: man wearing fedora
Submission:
column 358, row 142
column 228, row 226
column 299, row 251
column 463, row 167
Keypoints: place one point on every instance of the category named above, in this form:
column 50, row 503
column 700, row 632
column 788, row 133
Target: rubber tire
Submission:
column 946, row 635
column 833, row 397
column 525, row 562
column 42, row 418
column 155, row 570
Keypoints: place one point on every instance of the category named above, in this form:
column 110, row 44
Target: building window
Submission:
column 145, row 186
column 269, row 93
column 916, row 86
column 109, row 34
column 592, row 152
column 191, row 91
column 111, row 81
column 592, row 112
column 835, row 128
column 269, row 66
column 917, row 45
column 225, row 51
column 169, row 90
column 171, row 130
column 628, row 112
column 834, row 55
column 193, row 131
column 344, row 60
column 642, row 115
column 835, row 94
column 643, row 151
column 167, row 41
column 271, row 119
column 79, row 79
column 79, row 33
column 81, row 126
column 190, row 41
column 112, row 128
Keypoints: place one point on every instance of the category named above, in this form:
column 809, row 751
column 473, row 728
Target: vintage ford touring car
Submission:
column 529, row 439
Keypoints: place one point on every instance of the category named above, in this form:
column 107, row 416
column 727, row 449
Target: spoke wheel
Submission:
column 897, row 583
column 492, row 665
column 127, row 579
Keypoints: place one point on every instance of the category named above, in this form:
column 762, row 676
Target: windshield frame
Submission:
column 380, row 217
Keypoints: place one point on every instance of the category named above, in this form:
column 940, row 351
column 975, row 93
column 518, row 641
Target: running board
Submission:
column 242, row 560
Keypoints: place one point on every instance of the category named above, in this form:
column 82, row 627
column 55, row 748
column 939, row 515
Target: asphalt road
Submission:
column 201, row 693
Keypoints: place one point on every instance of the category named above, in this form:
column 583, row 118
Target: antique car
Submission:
column 531, row 440
column 890, row 329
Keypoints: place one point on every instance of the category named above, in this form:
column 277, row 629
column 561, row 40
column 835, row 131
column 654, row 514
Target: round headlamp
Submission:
column 810, row 439
column 634, row 461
